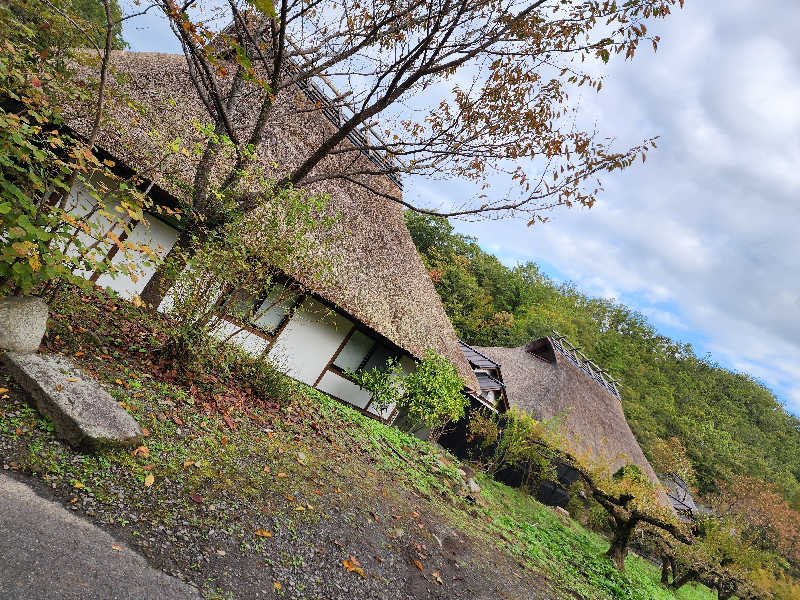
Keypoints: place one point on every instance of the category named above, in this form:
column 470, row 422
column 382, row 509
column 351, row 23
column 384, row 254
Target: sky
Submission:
column 702, row 237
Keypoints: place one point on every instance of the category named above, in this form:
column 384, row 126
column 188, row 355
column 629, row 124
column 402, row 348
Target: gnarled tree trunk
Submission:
column 619, row 543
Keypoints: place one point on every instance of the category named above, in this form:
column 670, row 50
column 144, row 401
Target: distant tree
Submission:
column 670, row 457
column 767, row 520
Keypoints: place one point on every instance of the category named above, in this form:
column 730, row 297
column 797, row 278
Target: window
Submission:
column 354, row 352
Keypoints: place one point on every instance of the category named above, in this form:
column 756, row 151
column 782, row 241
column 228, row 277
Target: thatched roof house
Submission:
column 384, row 302
column 491, row 392
column 547, row 380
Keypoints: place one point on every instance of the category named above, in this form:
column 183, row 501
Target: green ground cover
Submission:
column 216, row 450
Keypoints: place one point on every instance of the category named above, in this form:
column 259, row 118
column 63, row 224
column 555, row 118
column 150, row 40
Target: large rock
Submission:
column 23, row 320
column 83, row 413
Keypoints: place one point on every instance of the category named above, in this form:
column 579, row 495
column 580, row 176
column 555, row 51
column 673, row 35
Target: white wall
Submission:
column 156, row 234
column 309, row 341
column 338, row 386
column 251, row 343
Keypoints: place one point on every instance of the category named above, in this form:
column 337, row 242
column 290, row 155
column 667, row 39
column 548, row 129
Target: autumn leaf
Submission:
column 277, row 586
column 116, row 547
column 282, row 474
column 3, row 390
column 71, row 379
column 418, row 564
column 149, row 480
column 78, row 485
column 188, row 463
column 435, row 575
column 141, row 451
column 197, row 498
column 353, row 566
column 262, row 533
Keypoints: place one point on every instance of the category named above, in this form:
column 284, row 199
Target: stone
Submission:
column 23, row 321
column 562, row 514
column 83, row 413
column 473, row 487
column 469, row 472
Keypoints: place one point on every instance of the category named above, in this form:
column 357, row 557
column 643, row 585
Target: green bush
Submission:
column 430, row 397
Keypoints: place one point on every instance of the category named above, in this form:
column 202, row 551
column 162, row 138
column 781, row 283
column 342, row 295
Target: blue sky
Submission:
column 702, row 238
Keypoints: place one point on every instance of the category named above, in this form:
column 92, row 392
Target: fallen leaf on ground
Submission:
column 149, row 480
column 147, row 467
column 74, row 500
column 418, row 564
column 262, row 533
column 177, row 420
column 277, row 586
column 435, row 575
column 3, row 390
column 78, row 485
column 116, row 547
column 353, row 566
column 71, row 379
column 299, row 507
column 141, row 451
column 282, row 474
column 188, row 463
column 318, row 492
column 145, row 432
column 197, row 498
column 118, row 381
column 266, row 469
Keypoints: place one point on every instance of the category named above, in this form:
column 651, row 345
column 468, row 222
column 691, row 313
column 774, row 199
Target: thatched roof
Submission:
column 378, row 277
column 546, row 384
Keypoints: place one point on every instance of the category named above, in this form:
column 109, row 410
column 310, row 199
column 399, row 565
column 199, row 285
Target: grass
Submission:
column 571, row 555
column 215, row 446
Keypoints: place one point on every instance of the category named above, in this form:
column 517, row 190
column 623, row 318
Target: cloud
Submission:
column 708, row 225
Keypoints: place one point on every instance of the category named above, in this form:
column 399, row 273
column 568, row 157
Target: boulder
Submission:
column 23, row 320
column 562, row 514
column 83, row 413
column 473, row 487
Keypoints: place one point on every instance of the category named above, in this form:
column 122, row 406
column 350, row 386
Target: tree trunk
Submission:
column 679, row 582
column 619, row 543
column 666, row 566
column 726, row 589
column 155, row 289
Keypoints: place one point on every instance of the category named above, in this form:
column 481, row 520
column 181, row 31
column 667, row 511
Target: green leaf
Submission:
column 264, row 6
column 5, row 208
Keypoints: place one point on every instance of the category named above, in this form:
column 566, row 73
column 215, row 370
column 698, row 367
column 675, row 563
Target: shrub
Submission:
column 50, row 236
column 430, row 397
column 235, row 272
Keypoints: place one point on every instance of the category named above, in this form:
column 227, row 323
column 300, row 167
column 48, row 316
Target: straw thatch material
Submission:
column 547, row 385
column 378, row 277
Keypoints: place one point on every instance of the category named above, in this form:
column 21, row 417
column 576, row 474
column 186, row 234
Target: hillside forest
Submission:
column 729, row 424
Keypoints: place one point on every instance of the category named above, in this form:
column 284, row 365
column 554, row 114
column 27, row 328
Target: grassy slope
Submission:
column 224, row 459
